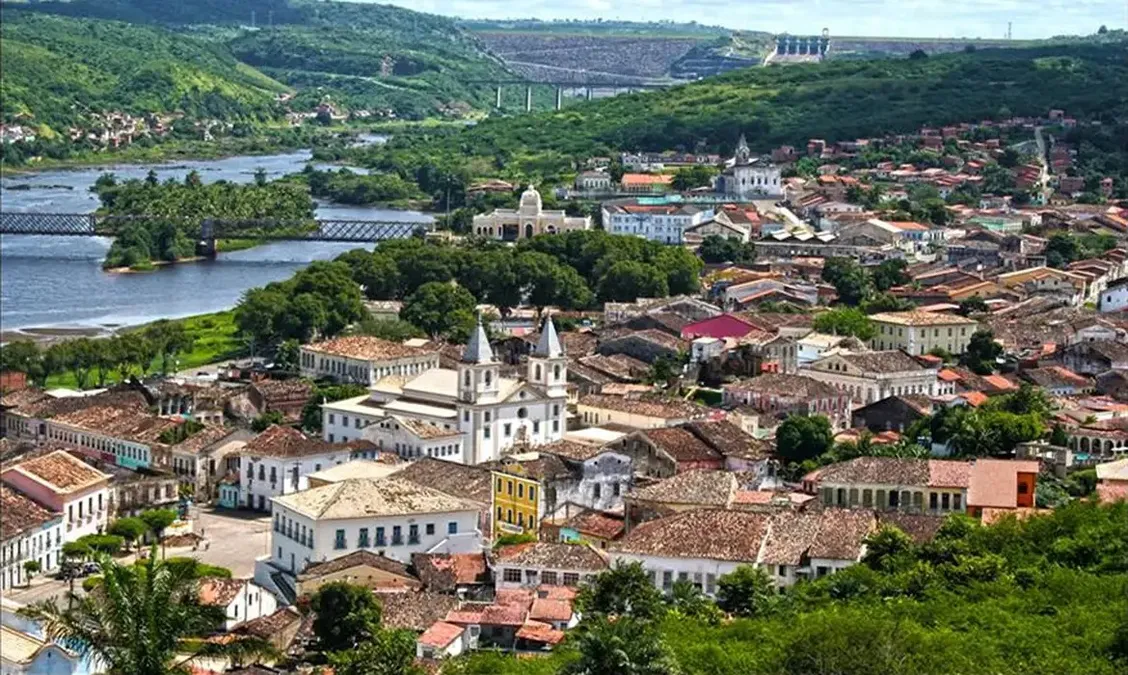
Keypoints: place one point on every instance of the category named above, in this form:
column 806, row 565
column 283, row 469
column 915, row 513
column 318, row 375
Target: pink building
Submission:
column 66, row 485
column 721, row 327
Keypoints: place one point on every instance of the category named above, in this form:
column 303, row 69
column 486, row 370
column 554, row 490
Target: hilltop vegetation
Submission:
column 780, row 105
column 58, row 69
column 359, row 55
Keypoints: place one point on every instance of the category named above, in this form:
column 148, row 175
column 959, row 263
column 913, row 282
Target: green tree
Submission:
column 628, row 280
column 395, row 330
column 746, row 591
column 803, row 437
column 377, row 273
column 288, row 355
column 169, row 338
column 623, row 645
column 437, row 308
column 973, row 305
column 623, row 590
column 385, row 652
column 346, row 615
column 884, row 546
column 266, row 420
column 687, row 600
column 144, row 619
column 890, row 273
column 31, row 568
column 981, row 352
column 850, row 280
column 19, row 355
column 158, row 521
column 132, row 530
column 690, row 177
column 1058, row 436
column 845, row 321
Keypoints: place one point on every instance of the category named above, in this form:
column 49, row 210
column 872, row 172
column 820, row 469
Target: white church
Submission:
column 470, row 414
column 748, row 177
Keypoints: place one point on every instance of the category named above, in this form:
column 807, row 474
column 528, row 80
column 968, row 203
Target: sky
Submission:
column 904, row 18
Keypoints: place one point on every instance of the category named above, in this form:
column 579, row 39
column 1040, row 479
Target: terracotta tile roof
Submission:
column 549, row 592
column 729, row 439
column 842, row 533
column 357, row 559
column 891, row 361
column 283, row 390
column 546, row 555
column 1055, row 376
column 447, row 571
column 686, row 535
column 550, row 610
column 366, row 348
column 876, row 470
column 922, row 528
column 440, row 635
column 1001, row 383
column 426, row 430
column 974, row 398
column 504, row 614
column 596, row 524
column 579, row 452
column 646, row 179
column 129, row 423
column 948, row 474
column 271, row 625
column 61, row 471
column 994, row 482
column 682, row 445
column 203, row 438
column 919, row 318
column 468, row 482
column 414, row 611
column 665, row 408
column 619, row 366
column 220, row 591
column 1112, row 492
column 702, row 488
column 288, row 442
column 19, row 513
column 793, row 386
column 536, row 631
column 366, row 497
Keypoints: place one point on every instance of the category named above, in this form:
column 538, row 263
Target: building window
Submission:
column 380, row 541
column 507, row 429
column 956, row 506
column 945, row 501
column 667, row 580
column 596, row 491
column 571, row 579
column 413, row 534
column 511, row 575
column 340, row 540
column 397, row 535
column 430, row 529
column 509, row 487
column 521, row 490
column 548, row 578
column 532, row 493
column 932, row 498
column 452, row 527
column 332, row 418
column 362, row 539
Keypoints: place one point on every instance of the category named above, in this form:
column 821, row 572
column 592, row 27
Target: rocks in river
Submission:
column 29, row 186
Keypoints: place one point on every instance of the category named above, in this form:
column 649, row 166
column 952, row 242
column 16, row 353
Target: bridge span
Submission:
column 207, row 230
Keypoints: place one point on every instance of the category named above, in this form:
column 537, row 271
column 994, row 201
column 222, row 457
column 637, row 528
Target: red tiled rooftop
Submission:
column 550, row 610
column 440, row 634
column 61, row 470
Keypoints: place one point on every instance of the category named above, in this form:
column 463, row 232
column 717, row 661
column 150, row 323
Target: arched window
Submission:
column 556, row 372
column 489, row 377
column 528, row 230
column 537, row 373
column 522, row 413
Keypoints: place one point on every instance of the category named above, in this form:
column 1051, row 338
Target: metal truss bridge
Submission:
column 210, row 229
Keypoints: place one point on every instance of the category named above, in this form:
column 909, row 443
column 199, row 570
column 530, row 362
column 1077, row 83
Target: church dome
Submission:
column 530, row 200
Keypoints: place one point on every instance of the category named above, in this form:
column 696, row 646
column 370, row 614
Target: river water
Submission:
column 59, row 282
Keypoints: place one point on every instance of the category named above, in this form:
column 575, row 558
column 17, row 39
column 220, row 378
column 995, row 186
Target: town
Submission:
column 881, row 336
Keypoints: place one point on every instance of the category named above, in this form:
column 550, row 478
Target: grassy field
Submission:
column 215, row 339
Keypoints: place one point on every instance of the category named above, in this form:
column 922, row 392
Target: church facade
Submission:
column 749, row 177
column 469, row 414
column 528, row 220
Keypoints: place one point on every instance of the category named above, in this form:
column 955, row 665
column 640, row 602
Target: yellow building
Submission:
column 516, row 501
column 919, row 332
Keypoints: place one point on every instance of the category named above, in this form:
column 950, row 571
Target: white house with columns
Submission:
column 873, row 376
column 490, row 413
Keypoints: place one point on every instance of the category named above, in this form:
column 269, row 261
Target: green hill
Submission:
column 788, row 105
column 360, row 55
column 57, row 69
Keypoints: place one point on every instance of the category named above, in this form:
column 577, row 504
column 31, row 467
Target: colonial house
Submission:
column 926, row 485
column 393, row 517
column 201, row 460
column 377, row 573
column 781, row 394
column 64, row 484
column 552, row 564
column 599, row 475
column 893, row 413
column 1096, row 357
column 491, row 414
column 28, row 531
column 749, row 178
column 597, row 409
column 665, row 451
column 364, row 359
column 918, row 332
column 127, row 436
column 278, row 462
column 662, row 223
column 241, row 600
column 872, row 376
column 527, row 221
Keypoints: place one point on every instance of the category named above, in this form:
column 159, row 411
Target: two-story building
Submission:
column 532, row 564
column 389, row 516
column 279, row 461
column 363, row 359
column 28, row 532
column 918, row 332
column 872, row 376
column 66, row 485
column 781, row 394
column 597, row 409
column 664, row 223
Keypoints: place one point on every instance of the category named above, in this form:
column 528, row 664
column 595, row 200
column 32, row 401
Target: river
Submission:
column 59, row 282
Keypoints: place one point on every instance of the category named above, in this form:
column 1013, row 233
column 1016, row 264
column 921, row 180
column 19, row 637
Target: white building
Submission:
column 364, row 359
column 25, row 648
column 389, row 516
column 1114, row 297
column 548, row 563
column 490, row 413
column 748, row 177
column 872, row 376
column 413, row 438
column 787, row 545
column 663, row 223
column 279, row 461
column 527, row 221
column 64, row 484
column 28, row 531
column 242, row 600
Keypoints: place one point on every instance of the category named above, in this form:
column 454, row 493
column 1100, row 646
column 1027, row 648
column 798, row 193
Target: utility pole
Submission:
column 1010, row 25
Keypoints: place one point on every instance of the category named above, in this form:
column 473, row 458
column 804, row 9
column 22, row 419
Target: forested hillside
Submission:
column 57, row 69
column 784, row 105
column 359, row 55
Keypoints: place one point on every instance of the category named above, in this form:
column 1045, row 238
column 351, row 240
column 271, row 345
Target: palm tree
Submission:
column 139, row 619
column 620, row 646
